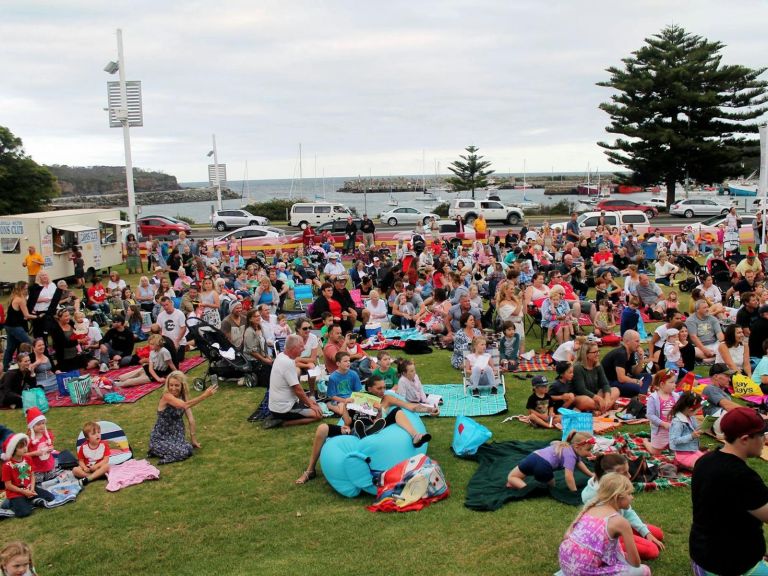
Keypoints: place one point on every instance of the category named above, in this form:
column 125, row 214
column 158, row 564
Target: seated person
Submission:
column 92, row 456
column 480, row 367
column 341, row 383
column 541, row 411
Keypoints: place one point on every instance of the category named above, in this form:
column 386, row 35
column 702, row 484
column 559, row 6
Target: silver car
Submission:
column 406, row 215
column 697, row 207
column 223, row 220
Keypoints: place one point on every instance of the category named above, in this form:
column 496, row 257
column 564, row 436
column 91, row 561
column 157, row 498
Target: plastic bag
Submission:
column 468, row 436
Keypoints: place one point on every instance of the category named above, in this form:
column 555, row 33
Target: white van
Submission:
column 588, row 221
column 316, row 213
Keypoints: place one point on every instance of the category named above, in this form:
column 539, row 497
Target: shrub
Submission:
column 186, row 219
column 277, row 209
column 441, row 209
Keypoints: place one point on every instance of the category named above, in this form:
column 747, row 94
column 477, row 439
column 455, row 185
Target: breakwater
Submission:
column 143, row 198
column 553, row 186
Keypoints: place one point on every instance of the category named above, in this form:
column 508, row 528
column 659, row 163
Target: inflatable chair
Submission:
column 349, row 462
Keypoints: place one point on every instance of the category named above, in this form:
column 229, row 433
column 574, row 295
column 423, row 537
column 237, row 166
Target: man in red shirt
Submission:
column 335, row 344
column 603, row 261
column 97, row 297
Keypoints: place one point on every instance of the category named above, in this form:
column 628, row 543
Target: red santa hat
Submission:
column 34, row 416
column 750, row 253
column 9, row 446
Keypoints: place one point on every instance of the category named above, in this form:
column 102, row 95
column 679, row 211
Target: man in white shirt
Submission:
column 289, row 405
column 173, row 324
column 334, row 266
column 268, row 323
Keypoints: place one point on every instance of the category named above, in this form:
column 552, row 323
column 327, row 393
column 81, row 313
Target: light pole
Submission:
column 119, row 116
column 216, row 176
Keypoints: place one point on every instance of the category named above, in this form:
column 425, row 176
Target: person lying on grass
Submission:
column 542, row 463
column 389, row 412
column 92, row 456
column 159, row 366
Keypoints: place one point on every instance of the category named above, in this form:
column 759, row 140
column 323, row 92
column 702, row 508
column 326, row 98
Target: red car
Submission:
column 161, row 226
column 626, row 204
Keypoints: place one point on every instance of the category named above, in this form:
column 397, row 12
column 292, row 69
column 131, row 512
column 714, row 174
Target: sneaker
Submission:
column 271, row 422
column 377, row 426
column 494, row 390
column 103, row 368
column 359, row 429
column 476, row 393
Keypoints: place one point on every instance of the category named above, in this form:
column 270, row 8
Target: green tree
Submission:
column 25, row 186
column 470, row 171
column 681, row 112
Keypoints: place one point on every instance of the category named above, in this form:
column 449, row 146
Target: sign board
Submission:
column 88, row 237
column 114, row 103
column 46, row 246
column 222, row 175
column 12, row 227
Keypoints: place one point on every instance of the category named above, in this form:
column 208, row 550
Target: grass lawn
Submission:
column 234, row 509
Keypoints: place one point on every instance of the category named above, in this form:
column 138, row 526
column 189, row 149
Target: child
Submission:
column 646, row 536
column 341, row 383
column 479, row 364
column 591, row 544
column 409, row 385
column 20, row 487
column 684, row 432
column 540, row 409
column 40, row 450
column 327, row 323
column 92, row 456
column 542, row 463
column 567, row 351
column 282, row 330
column 385, row 370
column 604, row 321
column 134, row 321
column 407, row 311
column 630, row 317
column 659, row 406
column 81, row 326
column 559, row 391
column 509, row 347
column 168, row 439
column 672, row 350
column 159, row 366
column 16, row 560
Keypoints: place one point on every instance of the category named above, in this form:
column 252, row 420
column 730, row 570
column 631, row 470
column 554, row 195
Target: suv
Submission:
column 588, row 221
column 468, row 209
column 691, row 207
column 161, row 226
column 615, row 204
column 222, row 220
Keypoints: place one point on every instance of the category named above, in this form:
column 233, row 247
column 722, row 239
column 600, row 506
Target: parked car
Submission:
column 615, row 204
column 493, row 210
column 223, row 220
column 448, row 231
column 691, row 207
column 252, row 239
column 253, row 232
column 588, row 221
column 659, row 203
column 161, row 226
column 706, row 230
column 316, row 213
column 337, row 228
column 406, row 215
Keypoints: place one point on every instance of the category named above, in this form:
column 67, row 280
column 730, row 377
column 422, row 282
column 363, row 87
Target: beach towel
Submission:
column 457, row 403
column 129, row 473
column 538, row 363
column 411, row 485
column 131, row 395
column 487, row 488
column 64, row 488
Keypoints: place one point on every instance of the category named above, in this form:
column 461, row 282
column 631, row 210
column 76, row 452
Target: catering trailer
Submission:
column 98, row 234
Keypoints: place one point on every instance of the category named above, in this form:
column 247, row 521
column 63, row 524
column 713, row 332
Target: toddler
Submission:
column 542, row 463
column 509, row 347
column 684, row 431
column 20, row 487
column 409, row 384
column 282, row 330
column 40, row 451
column 92, row 456
column 660, row 403
column 541, row 412
column 327, row 323
column 16, row 560
column 479, row 364
column 672, row 350
column 407, row 320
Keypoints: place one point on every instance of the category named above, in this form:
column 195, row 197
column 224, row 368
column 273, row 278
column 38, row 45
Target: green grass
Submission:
column 234, row 509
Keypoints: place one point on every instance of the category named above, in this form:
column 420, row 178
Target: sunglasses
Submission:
column 304, row 328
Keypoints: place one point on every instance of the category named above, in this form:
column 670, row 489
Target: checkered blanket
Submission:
column 539, row 363
column 631, row 445
column 457, row 403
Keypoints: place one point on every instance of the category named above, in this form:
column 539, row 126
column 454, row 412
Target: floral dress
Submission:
column 167, row 440
column 588, row 550
column 460, row 345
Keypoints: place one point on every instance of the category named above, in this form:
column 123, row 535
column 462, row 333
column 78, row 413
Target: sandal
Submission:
column 306, row 477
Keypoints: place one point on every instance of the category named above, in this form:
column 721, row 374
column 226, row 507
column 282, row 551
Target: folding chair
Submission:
column 302, row 295
column 533, row 320
column 498, row 377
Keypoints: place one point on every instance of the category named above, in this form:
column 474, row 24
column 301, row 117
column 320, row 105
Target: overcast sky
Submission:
column 364, row 86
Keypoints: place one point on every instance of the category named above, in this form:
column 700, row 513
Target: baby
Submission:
column 282, row 330
column 81, row 326
column 672, row 350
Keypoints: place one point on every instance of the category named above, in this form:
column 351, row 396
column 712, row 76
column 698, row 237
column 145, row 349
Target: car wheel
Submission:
column 426, row 220
column 688, row 213
column 253, row 223
column 220, row 226
column 650, row 214
column 513, row 219
column 724, row 213
column 173, row 233
column 392, row 221
column 470, row 219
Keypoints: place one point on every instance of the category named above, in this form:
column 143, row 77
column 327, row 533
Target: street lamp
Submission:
column 124, row 113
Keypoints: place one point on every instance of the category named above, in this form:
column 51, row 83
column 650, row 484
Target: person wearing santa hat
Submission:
column 40, row 449
column 18, row 478
column 751, row 262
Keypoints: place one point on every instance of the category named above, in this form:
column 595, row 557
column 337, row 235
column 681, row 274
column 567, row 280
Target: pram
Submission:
column 224, row 360
column 720, row 274
column 317, row 256
column 695, row 272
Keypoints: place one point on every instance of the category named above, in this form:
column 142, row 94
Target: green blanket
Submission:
column 487, row 488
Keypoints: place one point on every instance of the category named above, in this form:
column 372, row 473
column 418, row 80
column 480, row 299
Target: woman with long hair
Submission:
column 16, row 325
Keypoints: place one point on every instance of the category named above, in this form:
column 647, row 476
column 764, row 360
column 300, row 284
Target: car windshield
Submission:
column 713, row 221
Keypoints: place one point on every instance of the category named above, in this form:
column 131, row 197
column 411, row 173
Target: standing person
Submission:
column 481, row 227
column 723, row 476
column 76, row 257
column 368, row 228
column 307, row 236
column 350, row 232
column 43, row 300
column 16, row 322
column 33, row 262
column 133, row 257
column 288, row 403
column 173, row 324
column 572, row 233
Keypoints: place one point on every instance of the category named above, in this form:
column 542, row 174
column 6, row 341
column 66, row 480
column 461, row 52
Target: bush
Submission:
column 277, row 209
column 564, row 207
column 441, row 209
column 186, row 219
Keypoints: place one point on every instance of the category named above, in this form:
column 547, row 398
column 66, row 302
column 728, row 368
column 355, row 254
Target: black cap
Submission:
column 721, row 368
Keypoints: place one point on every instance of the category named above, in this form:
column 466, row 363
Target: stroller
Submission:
column 317, row 256
column 695, row 272
column 720, row 274
column 224, row 360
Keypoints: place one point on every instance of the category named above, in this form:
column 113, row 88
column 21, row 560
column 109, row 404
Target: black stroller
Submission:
column 224, row 360
column 720, row 274
column 695, row 272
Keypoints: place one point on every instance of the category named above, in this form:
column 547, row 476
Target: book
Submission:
column 707, row 423
column 434, row 400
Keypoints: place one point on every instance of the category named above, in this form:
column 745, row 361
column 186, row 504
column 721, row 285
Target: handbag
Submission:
column 641, row 471
column 62, row 378
column 80, row 390
column 576, row 421
column 34, row 398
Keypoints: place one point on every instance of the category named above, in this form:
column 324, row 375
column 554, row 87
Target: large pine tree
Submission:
column 681, row 112
column 470, row 171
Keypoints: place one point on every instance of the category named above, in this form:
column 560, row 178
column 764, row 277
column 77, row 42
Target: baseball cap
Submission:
column 721, row 368
column 539, row 381
column 672, row 332
column 741, row 421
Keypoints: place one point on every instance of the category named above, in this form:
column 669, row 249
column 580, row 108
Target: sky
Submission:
column 396, row 87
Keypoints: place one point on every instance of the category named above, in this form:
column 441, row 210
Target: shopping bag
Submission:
column 575, row 421
column 80, row 390
column 744, row 386
column 34, row 397
column 61, row 381
column 468, row 436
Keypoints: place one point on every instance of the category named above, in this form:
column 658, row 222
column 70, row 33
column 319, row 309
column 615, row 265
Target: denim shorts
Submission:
column 534, row 465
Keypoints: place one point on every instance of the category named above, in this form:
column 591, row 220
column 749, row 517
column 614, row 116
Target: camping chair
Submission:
column 302, row 295
column 532, row 322
column 279, row 345
column 498, row 377
column 357, row 298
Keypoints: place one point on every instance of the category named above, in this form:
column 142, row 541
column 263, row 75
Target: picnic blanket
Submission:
column 457, row 403
column 631, row 445
column 406, row 334
column 488, row 490
column 538, row 363
column 64, row 488
column 132, row 394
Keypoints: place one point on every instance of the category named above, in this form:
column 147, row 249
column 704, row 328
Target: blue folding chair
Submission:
column 302, row 295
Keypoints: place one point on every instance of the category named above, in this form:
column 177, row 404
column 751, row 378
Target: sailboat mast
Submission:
column 301, row 174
